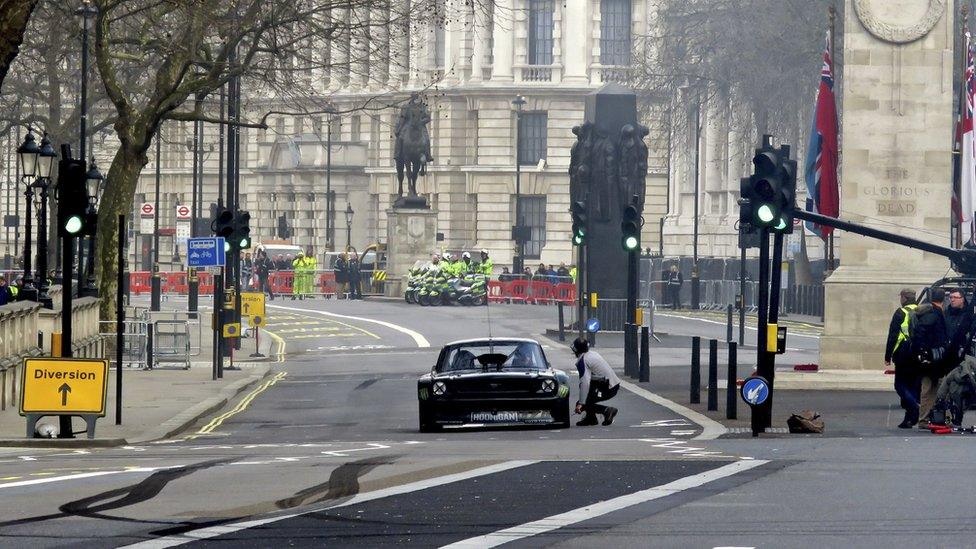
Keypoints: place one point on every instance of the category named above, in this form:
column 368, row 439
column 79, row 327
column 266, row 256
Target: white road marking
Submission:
column 680, row 433
column 214, row 531
column 343, row 453
column 48, row 480
column 420, row 340
column 561, row 520
column 711, row 429
column 663, row 423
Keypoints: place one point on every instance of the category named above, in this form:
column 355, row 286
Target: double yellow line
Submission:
column 241, row 406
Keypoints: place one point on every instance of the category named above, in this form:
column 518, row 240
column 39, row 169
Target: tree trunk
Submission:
column 122, row 179
column 14, row 16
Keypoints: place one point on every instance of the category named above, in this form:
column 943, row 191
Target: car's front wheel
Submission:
column 427, row 419
column 560, row 414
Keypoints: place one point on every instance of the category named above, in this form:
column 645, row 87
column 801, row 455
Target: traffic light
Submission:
column 788, row 194
column 578, row 212
column 72, row 198
column 746, row 202
column 630, row 228
column 223, row 226
column 765, row 192
column 241, row 237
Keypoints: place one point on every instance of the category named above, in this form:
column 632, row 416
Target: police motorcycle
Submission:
column 472, row 290
column 435, row 284
column 414, row 282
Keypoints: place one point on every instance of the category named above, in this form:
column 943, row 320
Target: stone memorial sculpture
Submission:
column 411, row 150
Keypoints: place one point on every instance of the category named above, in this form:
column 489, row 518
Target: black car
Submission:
column 482, row 382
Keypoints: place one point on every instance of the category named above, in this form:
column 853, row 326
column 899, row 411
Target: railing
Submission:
column 536, row 73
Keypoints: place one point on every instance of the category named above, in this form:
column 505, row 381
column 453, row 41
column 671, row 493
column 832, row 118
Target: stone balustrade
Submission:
column 25, row 324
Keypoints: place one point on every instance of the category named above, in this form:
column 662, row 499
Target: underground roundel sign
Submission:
column 755, row 390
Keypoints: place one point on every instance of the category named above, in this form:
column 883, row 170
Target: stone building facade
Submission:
column 468, row 71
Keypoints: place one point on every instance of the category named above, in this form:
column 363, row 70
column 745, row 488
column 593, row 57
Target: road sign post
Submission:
column 63, row 387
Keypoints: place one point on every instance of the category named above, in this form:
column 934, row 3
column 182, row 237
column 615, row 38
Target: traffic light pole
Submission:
column 772, row 318
column 763, row 365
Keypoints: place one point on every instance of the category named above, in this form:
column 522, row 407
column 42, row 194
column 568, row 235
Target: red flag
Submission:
column 822, row 152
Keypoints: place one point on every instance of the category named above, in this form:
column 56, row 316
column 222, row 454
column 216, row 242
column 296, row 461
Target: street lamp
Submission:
column 155, row 281
column 28, row 153
column 329, row 196
column 518, row 262
column 45, row 163
column 349, row 214
column 95, row 185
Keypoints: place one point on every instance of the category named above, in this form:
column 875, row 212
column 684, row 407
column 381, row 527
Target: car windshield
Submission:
column 503, row 355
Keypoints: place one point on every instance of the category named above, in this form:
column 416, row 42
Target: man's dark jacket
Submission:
column 893, row 330
column 930, row 339
column 959, row 323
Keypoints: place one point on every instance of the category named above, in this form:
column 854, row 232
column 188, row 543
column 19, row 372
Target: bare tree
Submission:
column 14, row 16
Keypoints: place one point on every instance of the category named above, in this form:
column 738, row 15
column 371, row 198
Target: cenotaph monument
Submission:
column 896, row 168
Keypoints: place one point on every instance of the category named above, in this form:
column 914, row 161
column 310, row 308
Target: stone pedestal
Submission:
column 411, row 235
column 896, row 164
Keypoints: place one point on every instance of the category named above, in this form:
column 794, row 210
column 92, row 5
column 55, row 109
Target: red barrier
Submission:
column 281, row 282
column 174, row 283
column 327, row 283
column 565, row 293
column 206, row 281
column 540, row 292
column 499, row 292
column 517, row 290
column 139, row 282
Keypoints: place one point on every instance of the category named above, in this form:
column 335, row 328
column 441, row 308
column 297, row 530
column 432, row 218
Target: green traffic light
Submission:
column 73, row 225
column 765, row 213
column 631, row 243
column 226, row 246
column 578, row 239
column 245, row 243
column 781, row 225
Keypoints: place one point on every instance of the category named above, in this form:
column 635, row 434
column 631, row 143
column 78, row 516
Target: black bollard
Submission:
column 732, row 388
column 695, row 370
column 728, row 326
column 645, row 354
column 712, row 375
column 630, row 350
column 562, row 329
column 149, row 347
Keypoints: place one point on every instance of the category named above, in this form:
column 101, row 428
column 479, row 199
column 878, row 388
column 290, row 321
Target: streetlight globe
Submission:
column 46, row 158
column 28, row 152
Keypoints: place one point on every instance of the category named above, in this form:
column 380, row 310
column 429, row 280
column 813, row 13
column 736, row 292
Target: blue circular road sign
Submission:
column 593, row 325
column 755, row 390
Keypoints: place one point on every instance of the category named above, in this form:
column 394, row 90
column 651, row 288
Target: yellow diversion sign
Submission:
column 63, row 386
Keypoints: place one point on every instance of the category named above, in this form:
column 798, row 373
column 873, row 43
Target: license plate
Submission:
column 511, row 417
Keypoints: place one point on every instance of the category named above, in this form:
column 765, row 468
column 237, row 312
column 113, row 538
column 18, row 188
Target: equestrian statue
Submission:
column 412, row 150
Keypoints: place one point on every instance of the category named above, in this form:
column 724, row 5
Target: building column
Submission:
column 340, row 51
column 360, row 43
column 503, row 46
column 574, row 52
column 479, row 39
column 399, row 40
column 419, row 36
column 380, row 49
column 453, row 31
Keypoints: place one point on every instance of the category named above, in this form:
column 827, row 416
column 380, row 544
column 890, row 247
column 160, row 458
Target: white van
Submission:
column 274, row 250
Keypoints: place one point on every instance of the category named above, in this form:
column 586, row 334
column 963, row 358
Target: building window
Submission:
column 615, row 32
column 439, row 47
column 280, row 125
column 354, row 128
column 540, row 32
column 533, row 212
column 532, row 137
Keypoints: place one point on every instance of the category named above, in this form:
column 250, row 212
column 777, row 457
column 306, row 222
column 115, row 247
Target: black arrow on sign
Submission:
column 64, row 389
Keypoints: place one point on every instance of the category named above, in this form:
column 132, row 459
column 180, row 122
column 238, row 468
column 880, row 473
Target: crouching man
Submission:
column 598, row 383
column 956, row 392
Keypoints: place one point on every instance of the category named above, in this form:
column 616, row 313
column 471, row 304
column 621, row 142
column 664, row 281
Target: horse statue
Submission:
column 412, row 150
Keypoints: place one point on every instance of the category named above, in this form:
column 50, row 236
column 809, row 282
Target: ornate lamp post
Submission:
column 519, row 261
column 349, row 214
column 95, row 184
column 45, row 163
column 28, row 152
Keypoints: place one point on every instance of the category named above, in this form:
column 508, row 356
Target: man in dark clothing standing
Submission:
column 674, row 287
column 930, row 342
column 959, row 322
column 263, row 267
column 354, row 276
column 899, row 350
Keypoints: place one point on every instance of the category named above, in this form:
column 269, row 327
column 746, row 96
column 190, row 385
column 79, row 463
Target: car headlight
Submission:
column 548, row 386
column 440, row 388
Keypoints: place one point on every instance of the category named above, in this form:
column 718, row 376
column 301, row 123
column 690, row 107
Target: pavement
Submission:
column 156, row 403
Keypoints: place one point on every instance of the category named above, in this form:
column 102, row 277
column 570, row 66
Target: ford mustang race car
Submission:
column 481, row 382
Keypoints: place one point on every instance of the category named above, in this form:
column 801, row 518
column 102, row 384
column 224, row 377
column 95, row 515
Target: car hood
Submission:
column 506, row 374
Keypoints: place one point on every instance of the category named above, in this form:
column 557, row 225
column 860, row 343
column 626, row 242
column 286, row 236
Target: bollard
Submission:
column 695, row 370
column 149, row 347
column 732, row 386
column 562, row 329
column 645, row 354
column 630, row 350
column 591, row 338
column 712, row 375
column 728, row 326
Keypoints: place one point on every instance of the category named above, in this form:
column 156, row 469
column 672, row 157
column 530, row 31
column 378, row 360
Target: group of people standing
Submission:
column 930, row 347
column 348, row 276
column 460, row 266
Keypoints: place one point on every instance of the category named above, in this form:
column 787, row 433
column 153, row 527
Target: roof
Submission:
column 492, row 339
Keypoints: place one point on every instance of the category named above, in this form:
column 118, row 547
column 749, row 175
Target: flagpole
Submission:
column 957, row 142
column 832, row 15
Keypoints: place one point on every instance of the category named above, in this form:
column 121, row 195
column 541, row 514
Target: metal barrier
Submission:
column 613, row 314
column 193, row 325
column 135, row 337
column 171, row 342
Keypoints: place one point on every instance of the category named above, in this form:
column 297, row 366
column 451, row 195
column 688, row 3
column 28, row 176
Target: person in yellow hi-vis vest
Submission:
column 312, row 264
column 298, row 283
